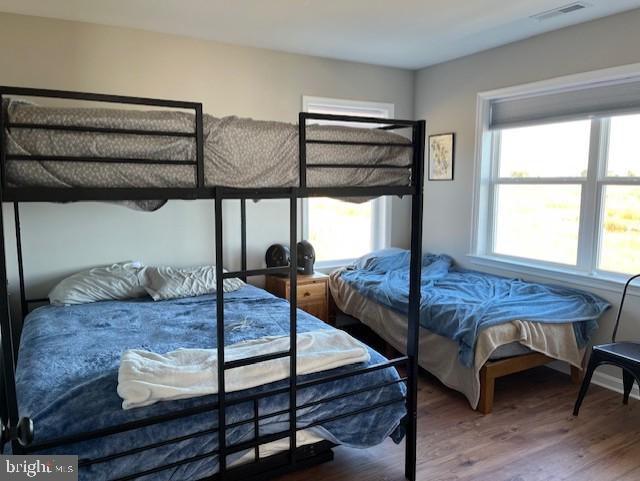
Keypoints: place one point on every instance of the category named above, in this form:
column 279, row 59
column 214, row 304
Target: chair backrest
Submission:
column 624, row 295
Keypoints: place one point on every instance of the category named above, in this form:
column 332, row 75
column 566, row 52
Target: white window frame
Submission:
column 586, row 272
column 381, row 208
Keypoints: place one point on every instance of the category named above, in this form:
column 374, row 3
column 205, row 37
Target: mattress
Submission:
column 67, row 377
column 238, row 152
column 439, row 355
column 459, row 303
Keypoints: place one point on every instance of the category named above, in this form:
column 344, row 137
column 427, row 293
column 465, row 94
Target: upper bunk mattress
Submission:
column 238, row 152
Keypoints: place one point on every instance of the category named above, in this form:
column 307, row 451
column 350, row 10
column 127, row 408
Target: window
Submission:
column 341, row 231
column 538, row 189
column 562, row 190
column 619, row 243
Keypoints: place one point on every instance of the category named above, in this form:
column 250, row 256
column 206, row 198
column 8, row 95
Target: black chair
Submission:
column 625, row 355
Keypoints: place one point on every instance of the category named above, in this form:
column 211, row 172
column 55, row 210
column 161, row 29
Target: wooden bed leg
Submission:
column 576, row 375
column 487, row 388
column 503, row 367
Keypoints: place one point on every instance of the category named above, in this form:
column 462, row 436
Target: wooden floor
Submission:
column 531, row 436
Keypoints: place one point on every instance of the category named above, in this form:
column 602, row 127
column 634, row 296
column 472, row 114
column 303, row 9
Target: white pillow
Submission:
column 124, row 280
column 165, row 282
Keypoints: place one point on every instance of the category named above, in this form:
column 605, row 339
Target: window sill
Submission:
column 612, row 283
column 327, row 267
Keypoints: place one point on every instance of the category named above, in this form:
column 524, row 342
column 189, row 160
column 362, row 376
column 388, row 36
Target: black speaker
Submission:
column 278, row 255
column 306, row 257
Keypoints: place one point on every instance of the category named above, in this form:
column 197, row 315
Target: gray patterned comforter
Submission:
column 237, row 152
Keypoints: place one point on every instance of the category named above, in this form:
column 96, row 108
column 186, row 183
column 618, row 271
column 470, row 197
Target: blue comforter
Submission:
column 68, row 366
column 458, row 303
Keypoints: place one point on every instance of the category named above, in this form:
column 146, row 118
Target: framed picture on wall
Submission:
column 441, row 156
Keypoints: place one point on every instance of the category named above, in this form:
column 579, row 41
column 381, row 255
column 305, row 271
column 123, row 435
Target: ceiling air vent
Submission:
column 564, row 10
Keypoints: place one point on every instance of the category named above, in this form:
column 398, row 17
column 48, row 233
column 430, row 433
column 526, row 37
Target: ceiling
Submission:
column 400, row 33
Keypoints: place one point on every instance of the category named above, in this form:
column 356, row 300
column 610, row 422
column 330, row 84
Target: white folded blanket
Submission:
column 145, row 377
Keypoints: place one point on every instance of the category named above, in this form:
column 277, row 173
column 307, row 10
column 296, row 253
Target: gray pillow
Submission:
column 124, row 280
column 165, row 282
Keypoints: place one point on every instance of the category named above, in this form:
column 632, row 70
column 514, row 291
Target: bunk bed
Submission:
column 145, row 158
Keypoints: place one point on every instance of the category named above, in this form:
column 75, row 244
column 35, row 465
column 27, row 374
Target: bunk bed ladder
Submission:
column 291, row 353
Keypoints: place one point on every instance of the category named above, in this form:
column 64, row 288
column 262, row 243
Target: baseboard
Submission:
column 602, row 379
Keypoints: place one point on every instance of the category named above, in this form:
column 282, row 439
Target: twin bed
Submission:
column 475, row 326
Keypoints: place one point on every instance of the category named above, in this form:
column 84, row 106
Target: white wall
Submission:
column 446, row 97
column 46, row 53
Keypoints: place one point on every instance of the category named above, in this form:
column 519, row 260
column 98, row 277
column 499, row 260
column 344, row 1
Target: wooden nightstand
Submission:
column 313, row 292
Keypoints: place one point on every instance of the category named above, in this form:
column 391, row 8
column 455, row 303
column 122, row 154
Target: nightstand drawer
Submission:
column 312, row 292
column 317, row 309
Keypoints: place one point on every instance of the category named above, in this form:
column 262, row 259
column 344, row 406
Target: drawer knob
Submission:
column 307, row 294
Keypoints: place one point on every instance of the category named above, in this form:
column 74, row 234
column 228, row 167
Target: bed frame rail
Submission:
column 10, row 193
column 19, row 430
column 199, row 190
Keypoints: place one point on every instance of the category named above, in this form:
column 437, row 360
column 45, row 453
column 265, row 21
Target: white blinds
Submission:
column 579, row 103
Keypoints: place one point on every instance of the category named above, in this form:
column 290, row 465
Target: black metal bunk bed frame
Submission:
column 19, row 430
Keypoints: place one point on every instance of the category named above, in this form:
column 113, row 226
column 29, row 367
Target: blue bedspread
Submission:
column 458, row 303
column 67, row 378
